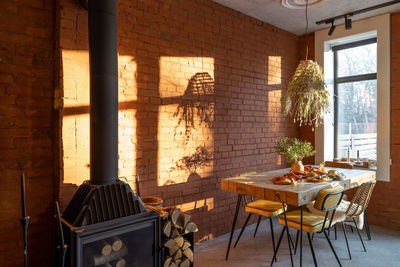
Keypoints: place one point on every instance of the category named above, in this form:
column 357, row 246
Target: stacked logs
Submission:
column 175, row 225
column 111, row 253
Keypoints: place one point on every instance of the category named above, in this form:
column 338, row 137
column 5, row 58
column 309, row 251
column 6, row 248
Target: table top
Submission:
column 260, row 185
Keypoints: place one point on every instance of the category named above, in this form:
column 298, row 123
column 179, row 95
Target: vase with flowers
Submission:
column 294, row 150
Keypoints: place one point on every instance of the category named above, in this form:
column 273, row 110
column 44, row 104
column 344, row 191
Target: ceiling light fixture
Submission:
column 332, row 28
column 348, row 15
column 300, row 4
column 347, row 23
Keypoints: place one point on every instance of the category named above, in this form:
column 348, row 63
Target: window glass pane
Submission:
column 357, row 60
column 356, row 113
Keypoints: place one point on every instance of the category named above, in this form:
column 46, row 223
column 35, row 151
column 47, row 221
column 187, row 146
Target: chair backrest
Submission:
column 361, row 199
column 342, row 165
column 329, row 199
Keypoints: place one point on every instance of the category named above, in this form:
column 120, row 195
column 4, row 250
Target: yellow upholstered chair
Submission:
column 327, row 201
column 263, row 208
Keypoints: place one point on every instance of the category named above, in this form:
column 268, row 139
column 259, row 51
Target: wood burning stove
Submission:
column 127, row 241
column 106, row 223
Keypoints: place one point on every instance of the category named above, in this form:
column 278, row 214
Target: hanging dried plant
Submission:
column 306, row 98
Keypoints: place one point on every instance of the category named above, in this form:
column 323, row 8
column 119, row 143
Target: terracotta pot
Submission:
column 153, row 201
column 297, row 166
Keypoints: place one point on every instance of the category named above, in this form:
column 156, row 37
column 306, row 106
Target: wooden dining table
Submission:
column 260, row 185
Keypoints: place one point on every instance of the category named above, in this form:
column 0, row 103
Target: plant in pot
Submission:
column 306, row 98
column 294, row 150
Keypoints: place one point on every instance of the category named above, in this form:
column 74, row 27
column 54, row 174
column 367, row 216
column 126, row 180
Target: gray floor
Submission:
column 382, row 250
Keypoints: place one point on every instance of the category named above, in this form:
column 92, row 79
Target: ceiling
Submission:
column 293, row 20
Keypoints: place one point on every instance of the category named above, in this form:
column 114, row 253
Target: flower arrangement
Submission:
column 294, row 150
column 306, row 98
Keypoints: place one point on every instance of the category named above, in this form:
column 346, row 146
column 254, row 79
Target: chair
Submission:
column 264, row 208
column 327, row 201
column 345, row 165
column 261, row 207
column 357, row 207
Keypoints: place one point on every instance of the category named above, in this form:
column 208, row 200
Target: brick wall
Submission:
column 26, row 104
column 199, row 93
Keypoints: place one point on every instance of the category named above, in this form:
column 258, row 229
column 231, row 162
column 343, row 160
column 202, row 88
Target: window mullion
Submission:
column 356, row 78
column 335, row 104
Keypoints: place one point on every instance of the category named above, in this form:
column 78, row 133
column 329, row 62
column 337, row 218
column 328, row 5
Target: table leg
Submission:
column 239, row 200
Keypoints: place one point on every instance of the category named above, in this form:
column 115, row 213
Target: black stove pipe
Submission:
column 103, row 55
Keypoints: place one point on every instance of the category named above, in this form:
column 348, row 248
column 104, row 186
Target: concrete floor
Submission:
column 382, row 250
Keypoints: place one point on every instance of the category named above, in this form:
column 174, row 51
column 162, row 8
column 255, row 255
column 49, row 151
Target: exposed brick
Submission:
column 26, row 145
column 162, row 45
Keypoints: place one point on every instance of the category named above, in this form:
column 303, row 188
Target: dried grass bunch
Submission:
column 306, row 98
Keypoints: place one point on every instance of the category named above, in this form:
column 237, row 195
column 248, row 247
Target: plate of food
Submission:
column 310, row 174
column 319, row 179
column 335, row 175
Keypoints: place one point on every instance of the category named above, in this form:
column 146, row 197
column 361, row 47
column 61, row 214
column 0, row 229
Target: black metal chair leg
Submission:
column 333, row 250
column 312, row 237
column 239, row 200
column 291, row 240
column 351, row 228
column 312, row 250
column 277, row 246
column 288, row 235
column 359, row 235
column 345, row 237
column 241, row 231
column 272, row 234
column 297, row 239
column 258, row 223
column 367, row 225
column 335, row 232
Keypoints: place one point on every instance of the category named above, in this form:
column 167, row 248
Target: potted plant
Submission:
column 294, row 150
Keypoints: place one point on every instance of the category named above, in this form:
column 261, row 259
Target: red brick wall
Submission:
column 384, row 208
column 165, row 47
column 26, row 104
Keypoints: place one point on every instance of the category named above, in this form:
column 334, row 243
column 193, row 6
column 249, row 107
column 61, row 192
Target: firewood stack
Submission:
column 175, row 225
column 111, row 253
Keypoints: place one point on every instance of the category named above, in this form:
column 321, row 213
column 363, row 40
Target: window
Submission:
column 355, row 99
column 376, row 27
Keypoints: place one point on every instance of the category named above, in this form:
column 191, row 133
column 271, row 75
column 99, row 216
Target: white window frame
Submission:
column 378, row 26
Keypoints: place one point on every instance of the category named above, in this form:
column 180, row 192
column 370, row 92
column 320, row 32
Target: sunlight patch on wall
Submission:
column 185, row 136
column 181, row 159
column 75, row 142
column 127, row 68
column 175, row 72
column 275, row 117
column 74, row 102
column 274, row 70
column 127, row 145
column 207, row 203
column 75, row 126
